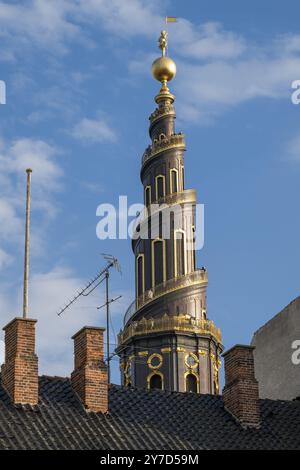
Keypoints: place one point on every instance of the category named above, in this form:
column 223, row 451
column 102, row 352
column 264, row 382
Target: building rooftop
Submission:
column 141, row 419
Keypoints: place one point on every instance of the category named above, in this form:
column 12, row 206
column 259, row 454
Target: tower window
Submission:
column 160, row 186
column 158, row 262
column 182, row 177
column 191, row 383
column 140, row 279
column 147, row 196
column 155, row 382
column 179, row 253
column 173, row 180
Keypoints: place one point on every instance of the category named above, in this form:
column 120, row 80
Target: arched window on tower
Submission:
column 179, row 253
column 191, row 383
column 182, row 177
column 140, row 275
column 160, row 186
column 158, row 262
column 155, row 382
column 147, row 196
column 174, row 180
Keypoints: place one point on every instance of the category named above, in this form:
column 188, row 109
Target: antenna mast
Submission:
column 90, row 287
column 27, row 245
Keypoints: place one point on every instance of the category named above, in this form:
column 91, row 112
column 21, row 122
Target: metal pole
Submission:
column 107, row 326
column 27, row 244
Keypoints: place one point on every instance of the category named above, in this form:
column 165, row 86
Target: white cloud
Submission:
column 217, row 86
column 220, row 69
column 91, row 131
column 92, row 187
column 15, row 157
column 206, row 41
column 49, row 292
column 123, row 18
column 35, row 154
column 37, row 23
column 207, row 89
column 289, row 43
column 5, row 259
column 53, row 25
column 11, row 222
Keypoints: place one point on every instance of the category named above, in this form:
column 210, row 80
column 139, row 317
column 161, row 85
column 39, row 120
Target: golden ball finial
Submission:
column 163, row 68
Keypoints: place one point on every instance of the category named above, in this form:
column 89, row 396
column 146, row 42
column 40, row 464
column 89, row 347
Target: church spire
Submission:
column 167, row 341
column 163, row 68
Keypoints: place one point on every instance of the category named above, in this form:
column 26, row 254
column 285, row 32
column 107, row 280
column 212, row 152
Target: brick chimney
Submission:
column 240, row 394
column 89, row 378
column 19, row 373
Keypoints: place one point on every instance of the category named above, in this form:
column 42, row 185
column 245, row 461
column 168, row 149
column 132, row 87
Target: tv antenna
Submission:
column 111, row 262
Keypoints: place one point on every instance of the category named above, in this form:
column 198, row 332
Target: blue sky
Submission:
column 79, row 93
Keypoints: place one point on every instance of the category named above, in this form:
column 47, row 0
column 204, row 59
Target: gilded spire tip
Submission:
column 163, row 68
column 163, row 42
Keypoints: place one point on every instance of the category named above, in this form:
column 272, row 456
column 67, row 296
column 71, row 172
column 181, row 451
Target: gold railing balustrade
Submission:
column 196, row 277
column 175, row 140
column 183, row 323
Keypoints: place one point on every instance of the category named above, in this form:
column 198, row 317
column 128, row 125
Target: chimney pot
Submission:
column 89, row 378
column 19, row 373
column 240, row 394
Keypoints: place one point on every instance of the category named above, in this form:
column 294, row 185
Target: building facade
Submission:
column 167, row 341
column 277, row 355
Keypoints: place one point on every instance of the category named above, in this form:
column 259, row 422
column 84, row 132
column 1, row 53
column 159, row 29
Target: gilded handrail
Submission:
column 169, row 323
column 195, row 277
column 175, row 140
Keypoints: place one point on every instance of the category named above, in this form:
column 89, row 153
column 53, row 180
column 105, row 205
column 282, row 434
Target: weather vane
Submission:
column 164, row 68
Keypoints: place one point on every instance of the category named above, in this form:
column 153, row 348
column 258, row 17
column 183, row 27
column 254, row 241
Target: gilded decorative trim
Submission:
column 171, row 285
column 170, row 323
column 159, row 113
column 166, row 350
column 150, row 358
column 143, row 353
column 180, row 349
column 174, row 141
column 194, row 357
column 202, row 352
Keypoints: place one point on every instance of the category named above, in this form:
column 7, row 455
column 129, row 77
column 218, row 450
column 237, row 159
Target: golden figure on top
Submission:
column 163, row 68
column 163, row 42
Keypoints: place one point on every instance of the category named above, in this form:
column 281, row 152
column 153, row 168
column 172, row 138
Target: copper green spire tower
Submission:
column 167, row 341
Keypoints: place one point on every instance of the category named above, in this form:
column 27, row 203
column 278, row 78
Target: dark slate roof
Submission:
column 141, row 419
